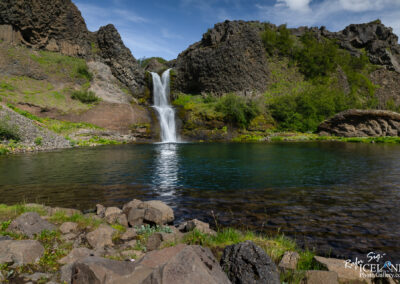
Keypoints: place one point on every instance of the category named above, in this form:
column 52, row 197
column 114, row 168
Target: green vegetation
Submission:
column 57, row 126
column 274, row 246
column 82, row 221
column 57, row 64
column 8, row 212
column 145, row 61
column 85, row 96
column 54, row 249
column 38, row 141
column 238, row 110
column 7, row 130
column 302, row 104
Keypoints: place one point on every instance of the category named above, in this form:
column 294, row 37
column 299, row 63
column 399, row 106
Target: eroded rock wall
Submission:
column 229, row 58
column 362, row 123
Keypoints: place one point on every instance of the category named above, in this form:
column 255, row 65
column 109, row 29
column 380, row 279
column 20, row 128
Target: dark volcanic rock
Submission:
column 229, row 58
column 120, row 59
column 379, row 41
column 53, row 25
column 58, row 26
column 248, row 263
column 362, row 123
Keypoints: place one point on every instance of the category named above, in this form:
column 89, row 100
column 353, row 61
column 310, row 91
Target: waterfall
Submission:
column 166, row 113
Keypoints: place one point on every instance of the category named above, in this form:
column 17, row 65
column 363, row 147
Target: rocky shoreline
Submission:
column 140, row 243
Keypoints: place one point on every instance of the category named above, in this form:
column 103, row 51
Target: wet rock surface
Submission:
column 362, row 123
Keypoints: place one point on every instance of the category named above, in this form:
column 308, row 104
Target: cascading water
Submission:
column 166, row 113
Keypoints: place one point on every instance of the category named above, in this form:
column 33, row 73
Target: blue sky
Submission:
column 167, row 27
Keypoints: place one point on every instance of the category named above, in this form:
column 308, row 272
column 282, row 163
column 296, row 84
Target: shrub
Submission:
column 237, row 109
column 83, row 71
column 85, row 96
column 38, row 141
column 279, row 40
column 305, row 111
column 8, row 132
column 316, row 58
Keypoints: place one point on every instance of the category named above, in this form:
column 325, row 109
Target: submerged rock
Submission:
column 248, row 263
column 362, row 123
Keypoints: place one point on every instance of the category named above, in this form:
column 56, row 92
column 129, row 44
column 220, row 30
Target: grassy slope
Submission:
column 45, row 79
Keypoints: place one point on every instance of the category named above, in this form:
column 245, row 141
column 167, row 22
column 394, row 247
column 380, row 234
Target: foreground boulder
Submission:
column 317, row 277
column 30, row 224
column 197, row 225
column 248, row 263
column 101, row 237
column 347, row 275
column 20, row 252
column 180, row 265
column 150, row 212
column 229, row 58
column 362, row 123
column 102, row 271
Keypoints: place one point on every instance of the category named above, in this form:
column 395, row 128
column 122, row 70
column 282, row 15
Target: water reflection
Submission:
column 166, row 171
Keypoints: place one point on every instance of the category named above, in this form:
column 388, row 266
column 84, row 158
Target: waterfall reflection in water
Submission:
column 166, row 170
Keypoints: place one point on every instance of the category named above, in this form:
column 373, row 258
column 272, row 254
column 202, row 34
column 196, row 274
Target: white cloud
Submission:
column 335, row 14
column 295, row 5
column 367, row 5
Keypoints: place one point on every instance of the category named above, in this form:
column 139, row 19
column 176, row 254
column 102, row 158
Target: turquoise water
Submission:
column 341, row 197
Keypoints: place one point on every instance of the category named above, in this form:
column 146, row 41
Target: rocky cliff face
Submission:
column 362, row 123
column 46, row 24
column 115, row 54
column 229, row 58
column 379, row 42
column 58, row 26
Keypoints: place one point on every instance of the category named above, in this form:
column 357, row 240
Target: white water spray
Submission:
column 166, row 113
